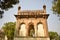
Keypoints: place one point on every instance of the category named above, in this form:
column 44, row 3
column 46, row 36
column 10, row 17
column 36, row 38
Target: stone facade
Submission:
column 31, row 23
column 31, row 38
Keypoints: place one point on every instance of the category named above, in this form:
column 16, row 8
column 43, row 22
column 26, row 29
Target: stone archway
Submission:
column 40, row 29
column 22, row 29
column 31, row 30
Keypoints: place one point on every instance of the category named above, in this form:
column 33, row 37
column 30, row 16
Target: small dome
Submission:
column 19, row 7
column 44, row 6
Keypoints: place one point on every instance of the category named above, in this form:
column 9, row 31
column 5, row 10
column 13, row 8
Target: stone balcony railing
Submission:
column 31, row 12
column 33, row 16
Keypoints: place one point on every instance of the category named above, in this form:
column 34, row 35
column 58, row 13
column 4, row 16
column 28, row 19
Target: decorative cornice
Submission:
column 33, row 16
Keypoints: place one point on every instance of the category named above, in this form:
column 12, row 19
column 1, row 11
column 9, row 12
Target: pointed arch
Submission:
column 22, row 30
column 40, row 28
column 31, row 30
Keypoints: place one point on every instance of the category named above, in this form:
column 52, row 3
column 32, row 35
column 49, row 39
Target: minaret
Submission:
column 19, row 10
column 44, row 8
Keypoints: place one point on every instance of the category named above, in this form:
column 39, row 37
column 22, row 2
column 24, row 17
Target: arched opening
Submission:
column 40, row 29
column 31, row 31
column 22, row 30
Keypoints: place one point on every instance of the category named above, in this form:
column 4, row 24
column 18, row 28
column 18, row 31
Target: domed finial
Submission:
column 44, row 6
column 19, row 7
column 19, row 10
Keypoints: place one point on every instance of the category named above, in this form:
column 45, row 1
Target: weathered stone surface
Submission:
column 31, row 38
column 32, row 19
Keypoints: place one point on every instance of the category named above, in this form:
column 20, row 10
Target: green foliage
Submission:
column 53, row 35
column 56, row 7
column 59, row 37
column 1, row 13
column 6, row 4
column 9, row 29
column 31, row 33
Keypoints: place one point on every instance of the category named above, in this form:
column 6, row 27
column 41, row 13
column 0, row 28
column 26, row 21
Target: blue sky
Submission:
column 53, row 21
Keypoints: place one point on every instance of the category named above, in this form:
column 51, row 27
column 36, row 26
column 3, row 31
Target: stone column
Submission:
column 17, row 28
column 35, row 27
column 47, row 34
column 26, row 29
column 45, row 28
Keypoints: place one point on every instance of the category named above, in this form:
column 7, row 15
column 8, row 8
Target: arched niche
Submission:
column 22, row 30
column 31, row 30
column 40, row 28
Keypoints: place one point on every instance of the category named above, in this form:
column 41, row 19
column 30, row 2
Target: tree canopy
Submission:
column 6, row 4
column 1, row 13
column 53, row 35
column 9, row 29
column 56, row 7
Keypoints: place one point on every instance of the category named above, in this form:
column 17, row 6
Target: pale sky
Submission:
column 53, row 21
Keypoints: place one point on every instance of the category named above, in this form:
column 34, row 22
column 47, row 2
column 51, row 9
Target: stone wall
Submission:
column 35, row 21
column 31, row 38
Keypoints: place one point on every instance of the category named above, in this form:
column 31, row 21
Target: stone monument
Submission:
column 31, row 24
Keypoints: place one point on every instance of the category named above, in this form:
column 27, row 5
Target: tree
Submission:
column 7, row 4
column 9, row 29
column 53, row 35
column 1, row 13
column 59, row 37
column 56, row 7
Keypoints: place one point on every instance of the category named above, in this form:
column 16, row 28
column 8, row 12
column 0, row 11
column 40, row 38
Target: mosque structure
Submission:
column 31, row 24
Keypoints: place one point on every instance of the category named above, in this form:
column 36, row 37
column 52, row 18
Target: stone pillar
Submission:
column 44, row 8
column 19, row 10
column 27, row 29
column 17, row 28
column 47, row 34
column 45, row 29
column 6, row 37
column 35, row 26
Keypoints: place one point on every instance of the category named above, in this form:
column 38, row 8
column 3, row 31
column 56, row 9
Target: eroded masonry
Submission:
column 31, row 24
